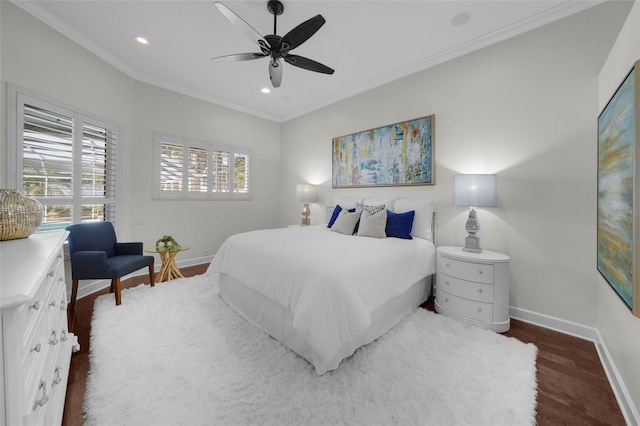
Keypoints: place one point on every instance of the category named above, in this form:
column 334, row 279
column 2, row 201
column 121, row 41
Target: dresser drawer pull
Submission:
column 35, row 306
column 37, row 348
column 52, row 273
column 479, row 309
column 57, row 379
column 59, row 255
column 63, row 335
column 45, row 398
column 447, row 282
column 53, row 304
column 446, row 300
column 53, row 340
column 63, row 305
column 480, row 271
column 479, row 290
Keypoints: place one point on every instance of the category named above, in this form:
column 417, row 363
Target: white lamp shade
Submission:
column 475, row 190
column 306, row 193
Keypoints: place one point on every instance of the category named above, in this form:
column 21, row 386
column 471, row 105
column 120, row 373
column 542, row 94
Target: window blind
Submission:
column 64, row 158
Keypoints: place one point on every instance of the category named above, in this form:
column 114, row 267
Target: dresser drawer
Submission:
column 471, row 290
column 471, row 271
column 471, row 309
column 28, row 315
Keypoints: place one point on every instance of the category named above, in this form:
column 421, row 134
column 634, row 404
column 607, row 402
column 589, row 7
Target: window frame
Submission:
column 17, row 97
column 186, row 143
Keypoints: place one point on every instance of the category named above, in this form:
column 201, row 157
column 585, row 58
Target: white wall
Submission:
column 620, row 330
column 202, row 224
column 524, row 109
column 42, row 60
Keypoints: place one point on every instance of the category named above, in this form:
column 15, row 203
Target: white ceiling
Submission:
column 368, row 43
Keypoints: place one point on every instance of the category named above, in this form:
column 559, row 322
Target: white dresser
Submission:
column 36, row 344
column 473, row 287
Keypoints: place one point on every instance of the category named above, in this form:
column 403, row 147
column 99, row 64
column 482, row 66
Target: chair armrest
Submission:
column 88, row 264
column 128, row 248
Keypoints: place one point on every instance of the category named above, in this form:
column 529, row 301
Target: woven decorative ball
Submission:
column 20, row 216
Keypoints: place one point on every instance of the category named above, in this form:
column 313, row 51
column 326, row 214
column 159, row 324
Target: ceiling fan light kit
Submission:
column 274, row 46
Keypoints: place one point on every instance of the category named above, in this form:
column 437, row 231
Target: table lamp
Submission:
column 474, row 191
column 305, row 193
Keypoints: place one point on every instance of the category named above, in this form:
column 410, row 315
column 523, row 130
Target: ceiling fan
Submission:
column 274, row 46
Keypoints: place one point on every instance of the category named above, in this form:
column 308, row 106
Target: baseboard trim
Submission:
column 627, row 407
column 94, row 286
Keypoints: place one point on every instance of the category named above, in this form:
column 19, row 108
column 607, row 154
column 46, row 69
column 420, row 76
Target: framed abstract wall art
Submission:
column 393, row 155
column 619, row 189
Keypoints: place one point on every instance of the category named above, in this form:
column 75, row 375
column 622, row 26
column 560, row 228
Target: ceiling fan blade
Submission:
column 241, row 24
column 308, row 64
column 302, row 32
column 275, row 72
column 238, row 57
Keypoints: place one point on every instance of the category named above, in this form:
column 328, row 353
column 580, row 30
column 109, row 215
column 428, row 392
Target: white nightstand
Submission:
column 473, row 287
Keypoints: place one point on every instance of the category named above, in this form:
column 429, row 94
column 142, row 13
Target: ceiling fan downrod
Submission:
column 275, row 7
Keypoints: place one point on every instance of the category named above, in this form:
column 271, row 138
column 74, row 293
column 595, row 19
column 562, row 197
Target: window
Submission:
column 63, row 158
column 191, row 169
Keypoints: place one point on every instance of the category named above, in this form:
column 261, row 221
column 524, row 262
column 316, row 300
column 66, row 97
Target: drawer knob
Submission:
column 479, row 309
column 59, row 255
column 45, row 398
column 53, row 304
column 56, row 379
column 447, row 282
column 37, row 348
column 447, row 265
column 51, row 274
column 480, row 272
column 35, row 306
column 53, row 339
column 63, row 305
column 446, row 300
column 63, row 335
column 479, row 290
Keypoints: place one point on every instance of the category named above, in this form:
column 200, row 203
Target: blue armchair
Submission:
column 96, row 254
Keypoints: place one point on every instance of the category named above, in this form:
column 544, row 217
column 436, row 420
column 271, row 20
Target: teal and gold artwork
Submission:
column 616, row 215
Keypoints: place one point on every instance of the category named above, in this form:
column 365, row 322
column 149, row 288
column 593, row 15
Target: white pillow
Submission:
column 374, row 201
column 373, row 225
column 348, row 203
column 346, row 222
column 422, row 219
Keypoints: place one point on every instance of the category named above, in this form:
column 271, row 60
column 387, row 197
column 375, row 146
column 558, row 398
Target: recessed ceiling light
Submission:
column 461, row 19
column 265, row 90
column 141, row 40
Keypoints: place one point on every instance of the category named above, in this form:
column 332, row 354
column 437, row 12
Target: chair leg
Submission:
column 152, row 275
column 74, row 293
column 116, row 284
column 112, row 288
column 71, row 307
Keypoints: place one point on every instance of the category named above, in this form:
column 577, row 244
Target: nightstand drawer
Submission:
column 470, row 271
column 468, row 289
column 471, row 309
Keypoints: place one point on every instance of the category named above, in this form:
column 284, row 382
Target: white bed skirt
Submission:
column 278, row 321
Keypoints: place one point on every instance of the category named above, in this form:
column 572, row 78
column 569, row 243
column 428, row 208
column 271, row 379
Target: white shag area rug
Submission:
column 177, row 354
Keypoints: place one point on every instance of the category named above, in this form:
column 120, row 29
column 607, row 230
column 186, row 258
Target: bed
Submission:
column 324, row 293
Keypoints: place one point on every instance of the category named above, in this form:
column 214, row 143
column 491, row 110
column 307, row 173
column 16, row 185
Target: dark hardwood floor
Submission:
column 572, row 386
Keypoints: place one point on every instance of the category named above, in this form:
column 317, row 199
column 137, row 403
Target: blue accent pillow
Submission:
column 399, row 225
column 335, row 214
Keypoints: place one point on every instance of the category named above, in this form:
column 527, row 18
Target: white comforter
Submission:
column 330, row 282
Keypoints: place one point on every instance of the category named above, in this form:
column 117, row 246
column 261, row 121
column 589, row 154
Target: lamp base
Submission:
column 305, row 215
column 472, row 244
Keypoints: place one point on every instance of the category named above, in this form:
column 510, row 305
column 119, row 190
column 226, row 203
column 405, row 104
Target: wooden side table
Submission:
column 169, row 269
column 473, row 287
